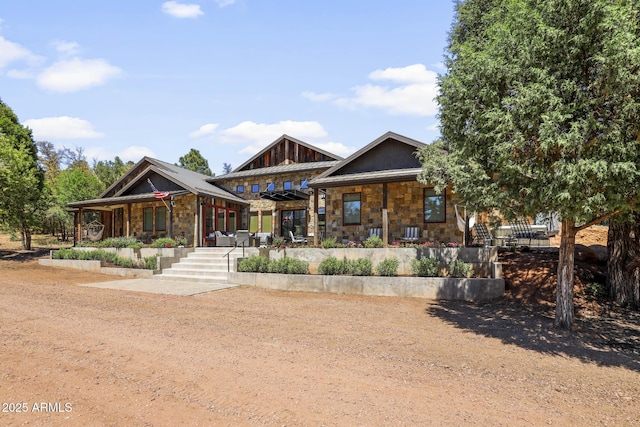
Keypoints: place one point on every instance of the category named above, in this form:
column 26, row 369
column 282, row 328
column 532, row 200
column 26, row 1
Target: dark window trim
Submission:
column 255, row 188
column 444, row 205
column 239, row 188
column 344, row 223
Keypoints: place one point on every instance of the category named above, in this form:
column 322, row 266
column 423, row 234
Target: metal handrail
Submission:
column 229, row 258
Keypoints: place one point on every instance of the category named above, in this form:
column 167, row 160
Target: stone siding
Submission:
column 405, row 208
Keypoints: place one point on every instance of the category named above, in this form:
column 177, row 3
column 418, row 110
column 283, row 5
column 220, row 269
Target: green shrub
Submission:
column 459, row 268
column 278, row 242
column 124, row 262
column 595, row 290
column 373, row 242
column 330, row 243
column 253, row 264
column 116, row 242
column 296, row 266
column 99, row 255
column 361, row 267
column 164, row 242
column 151, row 262
column 388, row 267
column 331, row 266
column 425, row 267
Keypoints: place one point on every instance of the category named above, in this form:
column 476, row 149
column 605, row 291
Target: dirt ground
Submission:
column 75, row 355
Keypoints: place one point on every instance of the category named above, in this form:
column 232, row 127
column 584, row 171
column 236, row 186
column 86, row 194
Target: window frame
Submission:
column 146, row 226
column 344, row 210
column 156, row 219
column 287, row 185
column 255, row 188
column 240, row 188
column 434, row 195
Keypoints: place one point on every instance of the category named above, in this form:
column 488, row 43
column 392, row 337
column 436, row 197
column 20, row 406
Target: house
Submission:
column 377, row 187
column 289, row 187
column 275, row 183
column 130, row 207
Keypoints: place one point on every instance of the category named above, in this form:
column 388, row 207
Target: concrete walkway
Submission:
column 169, row 287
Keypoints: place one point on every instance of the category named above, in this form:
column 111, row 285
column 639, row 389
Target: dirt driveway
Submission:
column 73, row 355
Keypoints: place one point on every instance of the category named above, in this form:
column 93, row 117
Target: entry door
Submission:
column 294, row 221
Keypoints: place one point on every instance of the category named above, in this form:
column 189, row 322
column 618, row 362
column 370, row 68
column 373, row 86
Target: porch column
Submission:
column 79, row 225
column 197, row 239
column 316, row 229
column 129, row 220
column 385, row 215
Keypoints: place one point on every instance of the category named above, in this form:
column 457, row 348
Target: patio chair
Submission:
column 521, row 230
column 375, row 232
column 222, row 240
column 481, row 234
column 297, row 239
column 411, row 235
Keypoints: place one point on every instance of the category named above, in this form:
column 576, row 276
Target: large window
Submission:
column 147, row 219
column 434, row 206
column 161, row 219
column 351, row 209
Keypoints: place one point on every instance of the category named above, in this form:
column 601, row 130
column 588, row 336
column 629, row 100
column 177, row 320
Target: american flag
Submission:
column 159, row 195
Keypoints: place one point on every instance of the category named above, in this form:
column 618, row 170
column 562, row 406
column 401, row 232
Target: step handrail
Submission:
column 229, row 258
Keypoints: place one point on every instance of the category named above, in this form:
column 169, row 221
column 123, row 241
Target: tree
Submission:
column 226, row 168
column 75, row 184
column 623, row 263
column 194, row 161
column 109, row 171
column 21, row 178
column 539, row 111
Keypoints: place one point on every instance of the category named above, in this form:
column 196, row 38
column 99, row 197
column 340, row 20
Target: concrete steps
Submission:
column 204, row 265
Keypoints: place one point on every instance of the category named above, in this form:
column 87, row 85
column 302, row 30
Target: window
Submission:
column 271, row 186
column 286, row 185
column 147, row 219
column 161, row 219
column 255, row 188
column 351, row 209
column 304, row 184
column 434, row 206
column 240, row 189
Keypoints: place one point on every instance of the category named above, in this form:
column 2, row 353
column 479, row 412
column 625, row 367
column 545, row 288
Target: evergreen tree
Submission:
column 194, row 161
column 539, row 112
column 21, row 178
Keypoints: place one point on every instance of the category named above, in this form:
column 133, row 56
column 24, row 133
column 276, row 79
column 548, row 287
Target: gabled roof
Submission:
column 320, row 154
column 391, row 157
column 188, row 180
column 275, row 170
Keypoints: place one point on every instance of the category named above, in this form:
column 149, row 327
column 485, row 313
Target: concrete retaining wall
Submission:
column 420, row 287
column 96, row 267
column 482, row 259
column 166, row 256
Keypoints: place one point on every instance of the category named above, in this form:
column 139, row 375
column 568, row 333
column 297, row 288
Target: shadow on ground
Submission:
column 612, row 340
column 22, row 256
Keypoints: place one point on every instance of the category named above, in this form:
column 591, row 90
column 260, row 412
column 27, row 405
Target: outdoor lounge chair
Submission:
column 521, row 231
column 375, row 232
column 481, row 234
column 242, row 238
column 411, row 235
column 297, row 239
column 222, row 240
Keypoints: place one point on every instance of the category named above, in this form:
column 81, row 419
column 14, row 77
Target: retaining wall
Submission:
column 96, row 266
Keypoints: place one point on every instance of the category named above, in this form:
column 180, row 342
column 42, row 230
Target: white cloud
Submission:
column 319, row 97
column 76, row 74
column 67, row 49
column 181, row 10
column 411, row 91
column 225, row 3
column 256, row 136
column 132, row 153
column 204, row 130
column 64, row 127
column 12, row 52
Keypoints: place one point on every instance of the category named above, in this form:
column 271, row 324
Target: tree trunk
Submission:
column 623, row 263
column 26, row 238
column 564, row 292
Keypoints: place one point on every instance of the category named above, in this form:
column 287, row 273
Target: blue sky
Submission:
column 226, row 77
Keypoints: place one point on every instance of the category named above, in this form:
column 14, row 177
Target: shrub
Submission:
column 331, row 266
column 459, row 268
column 117, row 242
column 278, row 242
column 253, row 264
column 151, row 262
column 361, row 267
column 330, row 243
column 164, row 242
column 373, row 242
column 425, row 267
column 109, row 257
column 388, row 267
column 287, row 265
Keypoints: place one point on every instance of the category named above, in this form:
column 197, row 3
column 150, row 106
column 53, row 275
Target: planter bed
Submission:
column 97, row 266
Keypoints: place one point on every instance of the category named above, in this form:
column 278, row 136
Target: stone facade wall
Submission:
column 182, row 215
column 405, row 208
